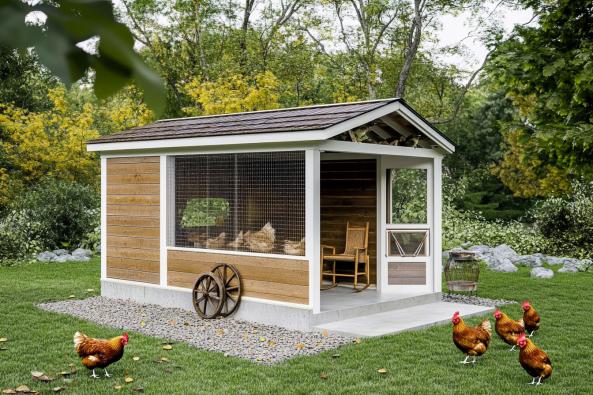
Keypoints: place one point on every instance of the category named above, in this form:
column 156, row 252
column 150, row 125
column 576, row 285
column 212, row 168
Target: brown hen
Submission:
column 531, row 319
column 99, row 353
column 507, row 329
column 534, row 361
column 471, row 340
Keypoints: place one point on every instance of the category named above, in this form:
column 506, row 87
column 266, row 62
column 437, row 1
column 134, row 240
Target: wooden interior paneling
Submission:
column 349, row 194
column 133, row 218
column 266, row 278
column 406, row 273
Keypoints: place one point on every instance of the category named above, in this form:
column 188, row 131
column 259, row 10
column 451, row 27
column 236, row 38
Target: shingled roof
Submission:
column 283, row 120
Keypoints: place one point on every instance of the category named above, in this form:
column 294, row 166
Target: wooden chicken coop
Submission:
column 263, row 191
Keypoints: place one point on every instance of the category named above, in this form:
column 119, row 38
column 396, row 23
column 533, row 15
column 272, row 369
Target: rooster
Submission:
column 294, row 247
column 531, row 319
column 262, row 241
column 98, row 353
column 534, row 361
column 472, row 340
column 507, row 329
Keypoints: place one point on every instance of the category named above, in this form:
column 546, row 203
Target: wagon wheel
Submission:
column 208, row 295
column 231, row 279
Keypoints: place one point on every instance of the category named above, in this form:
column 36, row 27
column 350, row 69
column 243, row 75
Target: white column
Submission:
column 312, row 226
column 437, row 228
column 163, row 221
column 103, row 218
column 381, row 216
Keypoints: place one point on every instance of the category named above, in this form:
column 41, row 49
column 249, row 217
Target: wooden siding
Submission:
column 133, row 218
column 406, row 273
column 285, row 280
column 349, row 194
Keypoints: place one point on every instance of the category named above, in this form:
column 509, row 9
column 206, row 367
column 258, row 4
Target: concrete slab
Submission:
column 402, row 320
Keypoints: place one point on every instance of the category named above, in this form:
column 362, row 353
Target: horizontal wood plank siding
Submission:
column 133, row 218
column 349, row 194
column 277, row 279
column 406, row 273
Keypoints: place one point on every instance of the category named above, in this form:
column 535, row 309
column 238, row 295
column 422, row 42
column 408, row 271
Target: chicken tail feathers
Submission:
column 486, row 326
column 80, row 341
column 521, row 322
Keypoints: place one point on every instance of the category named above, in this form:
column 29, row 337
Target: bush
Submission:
column 567, row 223
column 53, row 214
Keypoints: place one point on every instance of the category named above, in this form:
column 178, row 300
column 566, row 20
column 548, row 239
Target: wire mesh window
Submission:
column 407, row 243
column 253, row 202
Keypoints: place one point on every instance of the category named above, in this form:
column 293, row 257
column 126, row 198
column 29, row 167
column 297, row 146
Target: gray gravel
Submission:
column 200, row 333
column 459, row 298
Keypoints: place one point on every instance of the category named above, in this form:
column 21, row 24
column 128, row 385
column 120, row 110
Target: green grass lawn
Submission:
column 420, row 362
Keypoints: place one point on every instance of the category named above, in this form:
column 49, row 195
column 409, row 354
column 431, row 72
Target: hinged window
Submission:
column 407, row 243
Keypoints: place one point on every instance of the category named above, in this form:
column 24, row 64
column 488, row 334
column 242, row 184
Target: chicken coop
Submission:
column 268, row 192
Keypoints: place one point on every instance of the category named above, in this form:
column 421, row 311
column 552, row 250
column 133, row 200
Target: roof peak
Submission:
column 392, row 99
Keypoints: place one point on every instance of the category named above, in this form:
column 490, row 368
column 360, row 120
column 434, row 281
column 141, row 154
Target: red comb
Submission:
column 521, row 337
column 496, row 312
column 526, row 304
column 125, row 336
column 456, row 314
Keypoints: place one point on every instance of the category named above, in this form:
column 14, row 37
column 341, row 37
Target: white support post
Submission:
column 103, row 218
column 437, row 224
column 312, row 225
column 380, row 233
column 163, row 222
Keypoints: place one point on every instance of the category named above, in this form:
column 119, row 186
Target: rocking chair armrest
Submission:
column 356, row 250
column 326, row 246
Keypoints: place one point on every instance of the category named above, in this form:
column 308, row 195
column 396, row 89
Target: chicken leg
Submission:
column 465, row 360
column 94, row 375
column 539, row 382
column 474, row 361
column 512, row 349
column 531, row 334
column 107, row 374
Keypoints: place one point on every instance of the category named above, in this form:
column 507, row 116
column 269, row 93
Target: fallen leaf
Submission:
column 37, row 374
column 9, row 391
column 254, row 331
column 186, row 324
column 143, row 314
column 117, row 387
column 300, row 346
column 72, row 296
column 129, row 380
column 22, row 388
column 234, row 330
column 324, row 333
column 3, row 349
column 165, row 360
column 319, row 344
column 202, row 327
column 67, row 380
column 142, row 323
column 172, row 322
column 168, row 370
column 136, row 358
column 158, row 360
column 382, row 371
column 90, row 290
column 73, row 370
column 178, row 367
column 357, row 341
column 263, row 339
column 324, row 377
column 336, row 356
column 272, row 342
column 246, row 336
column 259, row 359
column 190, row 313
column 106, row 314
column 219, row 331
column 70, row 364
column 58, row 389
column 127, row 373
column 46, row 379
column 64, row 373
column 167, row 347
column 138, row 389
column 4, row 340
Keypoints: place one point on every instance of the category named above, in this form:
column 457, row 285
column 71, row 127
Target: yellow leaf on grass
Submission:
column 129, row 380
column 300, row 346
column 90, row 290
column 357, row 341
column 118, row 387
column 136, row 358
column 167, row 347
column 22, row 388
column 382, row 371
column 165, row 359
column 3, row 339
column 72, row 296
column 70, row 364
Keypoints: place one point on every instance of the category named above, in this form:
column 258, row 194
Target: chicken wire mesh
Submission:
column 408, row 243
column 253, row 202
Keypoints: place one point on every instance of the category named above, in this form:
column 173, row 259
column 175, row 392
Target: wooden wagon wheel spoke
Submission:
column 209, row 293
column 228, row 274
column 199, row 300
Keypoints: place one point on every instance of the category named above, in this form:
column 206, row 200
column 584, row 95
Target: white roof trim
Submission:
column 275, row 137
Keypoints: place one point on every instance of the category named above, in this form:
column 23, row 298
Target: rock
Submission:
column 445, row 255
column 79, row 258
column 552, row 260
column 541, row 272
column 526, row 260
column 46, row 256
column 98, row 249
column 82, row 252
column 585, row 265
column 506, row 266
column 62, row 258
column 502, row 251
column 482, row 249
column 570, row 266
column 60, row 252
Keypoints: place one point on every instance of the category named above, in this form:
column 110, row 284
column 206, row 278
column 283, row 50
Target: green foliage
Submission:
column 205, row 212
column 70, row 22
column 49, row 214
column 408, row 196
column 567, row 223
column 548, row 71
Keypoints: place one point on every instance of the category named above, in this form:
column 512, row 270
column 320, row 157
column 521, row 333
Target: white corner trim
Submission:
column 163, row 221
column 103, row 218
column 312, row 226
column 376, row 149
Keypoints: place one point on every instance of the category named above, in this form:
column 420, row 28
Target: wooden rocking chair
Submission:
column 356, row 252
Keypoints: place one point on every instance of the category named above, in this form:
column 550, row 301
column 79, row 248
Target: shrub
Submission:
column 53, row 214
column 567, row 223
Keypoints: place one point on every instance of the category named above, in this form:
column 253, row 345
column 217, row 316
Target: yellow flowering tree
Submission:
column 233, row 93
column 53, row 143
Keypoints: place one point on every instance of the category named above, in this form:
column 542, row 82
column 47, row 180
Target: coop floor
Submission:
column 339, row 298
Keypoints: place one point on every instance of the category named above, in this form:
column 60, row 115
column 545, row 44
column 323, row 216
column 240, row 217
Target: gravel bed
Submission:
column 266, row 344
column 458, row 298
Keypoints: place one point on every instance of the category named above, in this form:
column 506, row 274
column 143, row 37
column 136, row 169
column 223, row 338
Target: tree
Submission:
column 70, row 22
column 548, row 72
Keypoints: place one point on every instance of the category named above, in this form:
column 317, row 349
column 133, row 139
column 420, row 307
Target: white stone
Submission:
column 60, row 252
column 506, row 266
column 570, row 266
column 482, row 249
column 82, row 252
column 526, row 260
column 503, row 251
column 552, row 260
column 46, row 256
column 541, row 272
column 98, row 249
column 62, row 258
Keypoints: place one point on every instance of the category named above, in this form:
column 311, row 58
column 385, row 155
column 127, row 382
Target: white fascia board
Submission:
column 420, row 124
column 376, row 149
column 253, row 138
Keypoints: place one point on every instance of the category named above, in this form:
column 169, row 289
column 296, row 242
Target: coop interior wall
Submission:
column 133, row 218
column 349, row 194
